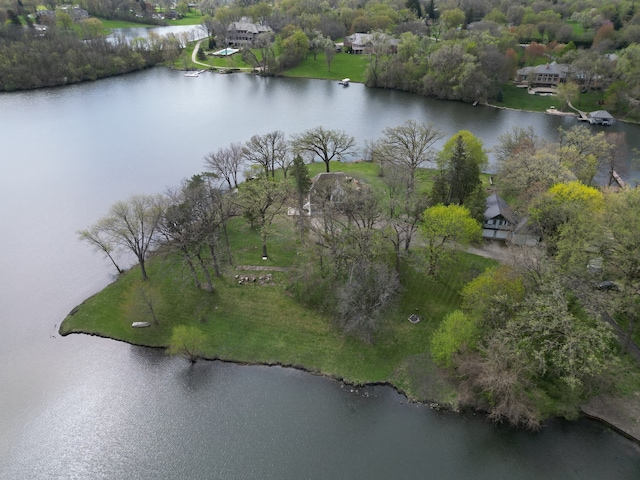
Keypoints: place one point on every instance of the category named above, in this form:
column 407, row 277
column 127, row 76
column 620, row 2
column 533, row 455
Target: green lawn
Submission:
column 191, row 18
column 518, row 98
column 264, row 324
column 123, row 24
column 343, row 65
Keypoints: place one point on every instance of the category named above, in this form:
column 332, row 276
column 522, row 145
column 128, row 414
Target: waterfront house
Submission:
column 244, row 32
column 601, row 117
column 547, row 75
column 499, row 219
column 502, row 223
column 327, row 187
column 360, row 43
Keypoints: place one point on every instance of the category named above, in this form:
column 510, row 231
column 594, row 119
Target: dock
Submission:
column 194, row 74
column 599, row 117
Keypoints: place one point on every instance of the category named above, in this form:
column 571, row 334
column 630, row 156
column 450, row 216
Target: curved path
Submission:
column 195, row 53
column 194, row 59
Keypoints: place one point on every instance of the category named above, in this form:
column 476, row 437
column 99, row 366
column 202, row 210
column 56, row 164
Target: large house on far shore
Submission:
column 244, row 32
column 547, row 75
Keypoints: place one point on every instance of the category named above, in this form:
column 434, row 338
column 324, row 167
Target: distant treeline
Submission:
column 32, row 59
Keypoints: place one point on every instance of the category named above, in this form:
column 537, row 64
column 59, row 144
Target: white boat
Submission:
column 344, row 82
column 194, row 74
column 140, row 324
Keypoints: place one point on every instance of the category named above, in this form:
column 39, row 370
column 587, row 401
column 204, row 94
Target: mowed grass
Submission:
column 343, row 65
column 264, row 324
column 518, row 99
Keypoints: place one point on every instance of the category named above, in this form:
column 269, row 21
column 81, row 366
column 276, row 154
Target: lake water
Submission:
column 83, row 407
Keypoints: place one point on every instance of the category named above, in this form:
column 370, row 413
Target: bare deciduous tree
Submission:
column 267, row 151
column 225, row 163
column 324, row 144
column 131, row 225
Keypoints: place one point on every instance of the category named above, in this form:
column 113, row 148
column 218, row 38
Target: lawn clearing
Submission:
column 343, row 65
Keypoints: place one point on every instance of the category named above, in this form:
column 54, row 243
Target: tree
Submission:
column 415, row 7
column 329, row 52
column 267, row 151
column 559, row 345
column 266, row 61
column 64, row 20
column 408, row 146
column 378, row 59
column 194, row 221
column 300, row 173
column 209, row 26
column 620, row 250
column 493, row 296
column 294, row 48
column 97, row 237
column 405, row 211
column 564, row 203
column 324, row 144
column 317, row 44
column 583, row 152
column 261, row 200
column 446, row 229
column 361, row 301
column 188, row 342
column 455, row 74
column 460, row 164
column 526, row 167
column 225, row 163
column 452, row 18
column 432, row 11
column 457, row 332
column 132, row 225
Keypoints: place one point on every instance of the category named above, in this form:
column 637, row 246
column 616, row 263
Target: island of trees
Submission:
column 362, row 271
column 468, row 50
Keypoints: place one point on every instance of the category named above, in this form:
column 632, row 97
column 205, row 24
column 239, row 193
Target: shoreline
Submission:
column 599, row 409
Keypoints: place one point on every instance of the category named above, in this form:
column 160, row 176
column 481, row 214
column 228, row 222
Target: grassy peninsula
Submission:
column 260, row 322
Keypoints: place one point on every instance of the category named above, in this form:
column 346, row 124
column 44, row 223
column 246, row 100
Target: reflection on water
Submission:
column 84, row 407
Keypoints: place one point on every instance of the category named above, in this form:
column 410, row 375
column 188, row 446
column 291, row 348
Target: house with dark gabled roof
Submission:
column 502, row 223
column 499, row 219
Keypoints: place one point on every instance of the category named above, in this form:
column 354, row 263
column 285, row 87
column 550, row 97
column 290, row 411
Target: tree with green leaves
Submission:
column 562, row 204
column 493, row 296
column 261, row 200
column 329, row 49
column 461, row 162
column 446, row 229
column 415, row 7
column 583, row 152
column 188, row 342
column 300, row 174
column 620, row 250
column 457, row 332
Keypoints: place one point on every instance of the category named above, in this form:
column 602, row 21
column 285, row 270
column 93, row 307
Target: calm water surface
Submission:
column 82, row 407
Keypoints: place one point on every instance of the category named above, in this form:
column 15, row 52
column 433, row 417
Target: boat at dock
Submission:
column 194, row 74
